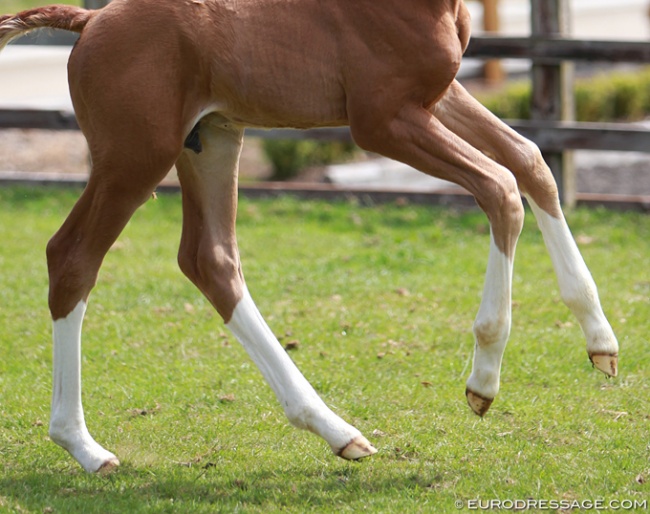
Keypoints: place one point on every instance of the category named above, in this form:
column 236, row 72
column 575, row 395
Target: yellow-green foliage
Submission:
column 288, row 157
column 606, row 97
column 12, row 6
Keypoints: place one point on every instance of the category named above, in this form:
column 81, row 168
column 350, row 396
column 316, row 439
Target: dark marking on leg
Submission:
column 193, row 141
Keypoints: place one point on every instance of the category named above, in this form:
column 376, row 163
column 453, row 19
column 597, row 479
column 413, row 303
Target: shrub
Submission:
column 288, row 157
column 611, row 97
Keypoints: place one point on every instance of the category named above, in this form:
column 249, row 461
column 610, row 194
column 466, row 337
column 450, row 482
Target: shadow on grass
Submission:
column 204, row 489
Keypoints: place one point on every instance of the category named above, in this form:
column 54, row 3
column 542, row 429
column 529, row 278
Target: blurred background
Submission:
column 33, row 76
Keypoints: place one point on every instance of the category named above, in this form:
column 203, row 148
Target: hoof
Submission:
column 357, row 449
column 605, row 362
column 478, row 403
column 108, row 466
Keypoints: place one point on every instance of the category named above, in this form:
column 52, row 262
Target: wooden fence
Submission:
column 550, row 127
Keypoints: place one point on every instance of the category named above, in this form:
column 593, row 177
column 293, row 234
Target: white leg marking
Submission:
column 301, row 403
column 67, row 425
column 491, row 330
column 577, row 287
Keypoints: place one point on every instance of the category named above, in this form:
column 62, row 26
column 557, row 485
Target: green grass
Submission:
column 12, row 6
column 175, row 397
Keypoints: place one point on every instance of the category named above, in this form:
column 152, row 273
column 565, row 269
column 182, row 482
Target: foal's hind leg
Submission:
column 418, row 138
column 119, row 183
column 474, row 123
column 209, row 257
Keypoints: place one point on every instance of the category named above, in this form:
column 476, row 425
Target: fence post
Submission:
column 552, row 90
column 492, row 69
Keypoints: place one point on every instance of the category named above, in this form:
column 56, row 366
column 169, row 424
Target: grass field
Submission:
column 18, row 5
column 380, row 302
column 10, row 6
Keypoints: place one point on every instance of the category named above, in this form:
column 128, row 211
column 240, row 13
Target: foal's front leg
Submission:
column 491, row 331
column 465, row 116
column 301, row 403
column 67, row 424
column 74, row 256
column 416, row 137
column 210, row 258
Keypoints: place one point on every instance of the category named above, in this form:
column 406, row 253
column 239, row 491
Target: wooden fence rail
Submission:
column 546, row 49
column 552, row 50
column 549, row 135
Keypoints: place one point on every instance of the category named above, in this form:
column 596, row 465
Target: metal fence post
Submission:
column 552, row 89
column 95, row 4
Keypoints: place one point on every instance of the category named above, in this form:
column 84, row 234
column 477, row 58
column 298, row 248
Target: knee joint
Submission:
column 188, row 265
column 505, row 207
column 528, row 157
column 533, row 172
column 55, row 251
column 207, row 264
column 217, row 274
column 492, row 330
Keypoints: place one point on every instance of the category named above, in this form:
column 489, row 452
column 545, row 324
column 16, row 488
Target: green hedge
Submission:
column 288, row 157
column 611, row 97
column 14, row 6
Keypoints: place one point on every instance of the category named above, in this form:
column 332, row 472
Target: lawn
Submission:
column 11, row 6
column 379, row 302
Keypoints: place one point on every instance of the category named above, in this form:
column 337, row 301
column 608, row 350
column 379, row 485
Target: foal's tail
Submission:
column 66, row 17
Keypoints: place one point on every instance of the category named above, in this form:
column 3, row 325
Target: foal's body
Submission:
column 161, row 82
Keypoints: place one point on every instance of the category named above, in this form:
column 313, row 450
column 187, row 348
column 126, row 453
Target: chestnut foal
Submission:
column 161, row 82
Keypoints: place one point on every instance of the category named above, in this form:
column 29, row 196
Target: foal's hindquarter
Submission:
column 145, row 73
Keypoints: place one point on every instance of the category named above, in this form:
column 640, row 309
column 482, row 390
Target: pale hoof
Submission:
column 478, row 403
column 108, row 466
column 357, row 449
column 605, row 362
